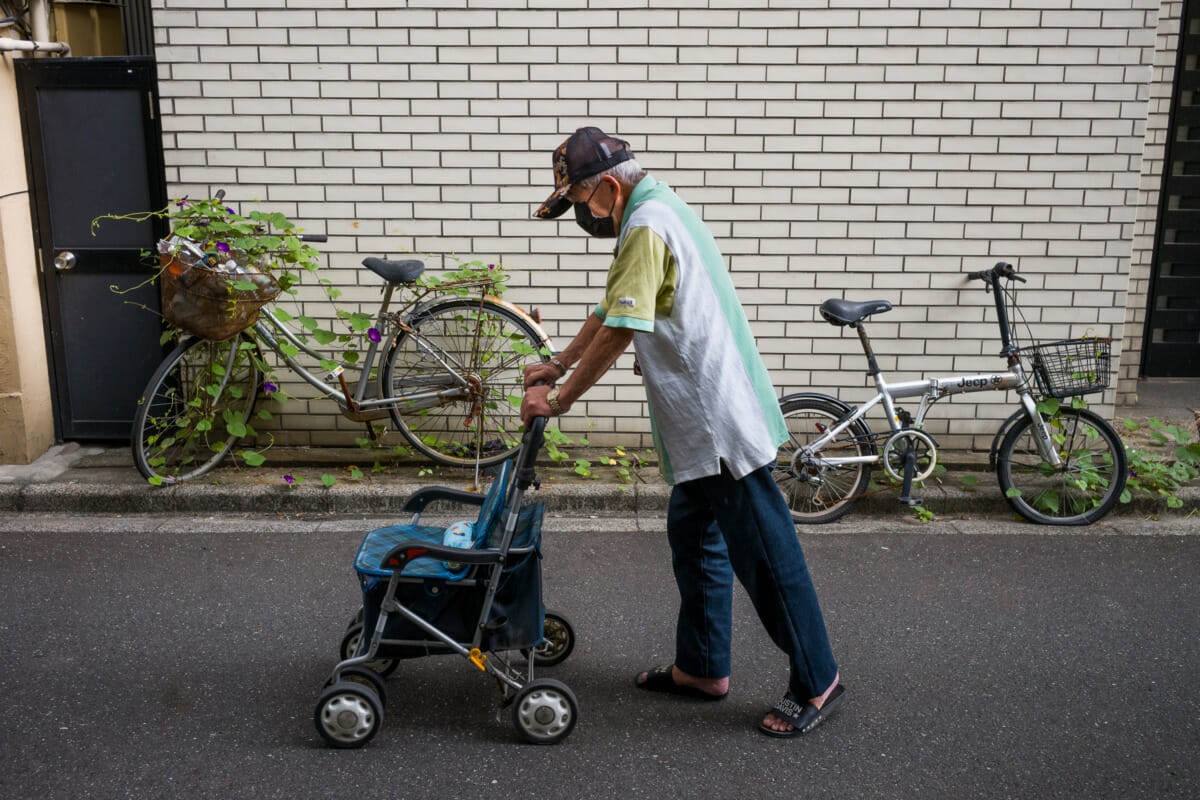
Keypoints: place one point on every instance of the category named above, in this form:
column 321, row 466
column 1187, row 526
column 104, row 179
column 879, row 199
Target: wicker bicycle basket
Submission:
column 202, row 300
column 1071, row 367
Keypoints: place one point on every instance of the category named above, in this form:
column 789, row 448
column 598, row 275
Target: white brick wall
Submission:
column 1149, row 188
column 858, row 148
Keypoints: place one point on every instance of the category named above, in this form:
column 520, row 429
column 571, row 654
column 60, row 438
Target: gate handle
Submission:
column 64, row 261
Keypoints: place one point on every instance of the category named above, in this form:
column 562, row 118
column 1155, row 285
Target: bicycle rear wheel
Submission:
column 1082, row 489
column 486, row 343
column 194, row 409
column 818, row 492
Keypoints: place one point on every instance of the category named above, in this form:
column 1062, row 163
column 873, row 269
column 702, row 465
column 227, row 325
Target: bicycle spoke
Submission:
column 491, row 346
column 195, row 409
column 1082, row 488
column 815, row 490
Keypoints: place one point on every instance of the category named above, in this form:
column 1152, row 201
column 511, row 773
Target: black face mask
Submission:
column 600, row 227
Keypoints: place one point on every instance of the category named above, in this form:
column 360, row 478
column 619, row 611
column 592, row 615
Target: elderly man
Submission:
column 715, row 420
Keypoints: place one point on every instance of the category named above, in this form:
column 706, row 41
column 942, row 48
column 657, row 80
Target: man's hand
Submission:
column 544, row 371
column 603, row 347
column 534, row 403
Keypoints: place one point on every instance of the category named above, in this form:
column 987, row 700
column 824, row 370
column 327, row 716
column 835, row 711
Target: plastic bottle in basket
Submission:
column 261, row 281
column 459, row 534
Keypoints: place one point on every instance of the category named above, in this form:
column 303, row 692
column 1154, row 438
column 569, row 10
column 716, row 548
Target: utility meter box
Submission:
column 90, row 27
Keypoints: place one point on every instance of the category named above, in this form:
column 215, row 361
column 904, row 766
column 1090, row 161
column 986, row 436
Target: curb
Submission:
column 73, row 479
column 375, row 499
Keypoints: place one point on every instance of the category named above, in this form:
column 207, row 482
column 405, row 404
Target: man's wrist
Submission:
column 559, row 364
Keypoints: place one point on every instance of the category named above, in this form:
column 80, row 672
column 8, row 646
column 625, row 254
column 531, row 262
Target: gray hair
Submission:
column 628, row 171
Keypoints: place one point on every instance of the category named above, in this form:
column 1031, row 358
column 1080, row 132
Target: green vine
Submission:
column 1163, row 474
column 1159, row 473
column 623, row 465
column 240, row 255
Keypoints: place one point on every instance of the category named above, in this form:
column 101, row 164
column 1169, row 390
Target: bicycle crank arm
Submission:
column 910, row 469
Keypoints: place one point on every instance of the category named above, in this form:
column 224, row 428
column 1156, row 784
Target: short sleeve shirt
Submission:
column 711, row 399
column 641, row 282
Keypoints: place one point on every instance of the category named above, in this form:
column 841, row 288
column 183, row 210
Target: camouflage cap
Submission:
column 587, row 152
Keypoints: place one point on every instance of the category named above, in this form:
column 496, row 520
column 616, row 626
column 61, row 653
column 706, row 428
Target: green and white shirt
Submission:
column 711, row 400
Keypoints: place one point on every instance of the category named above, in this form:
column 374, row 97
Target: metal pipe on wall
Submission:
column 9, row 45
column 39, row 20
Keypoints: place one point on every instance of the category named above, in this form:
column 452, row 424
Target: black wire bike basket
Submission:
column 1070, row 367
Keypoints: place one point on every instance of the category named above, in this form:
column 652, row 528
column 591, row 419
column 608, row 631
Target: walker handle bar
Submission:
column 531, row 444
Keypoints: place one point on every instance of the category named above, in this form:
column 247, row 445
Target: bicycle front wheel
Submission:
column 1079, row 491
column 194, row 409
column 815, row 490
column 474, row 355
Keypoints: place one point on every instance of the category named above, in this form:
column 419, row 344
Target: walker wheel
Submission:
column 348, row 714
column 366, row 677
column 558, row 641
column 545, row 711
column 380, row 666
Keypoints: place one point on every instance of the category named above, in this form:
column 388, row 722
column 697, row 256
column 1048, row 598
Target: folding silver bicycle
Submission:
column 1058, row 464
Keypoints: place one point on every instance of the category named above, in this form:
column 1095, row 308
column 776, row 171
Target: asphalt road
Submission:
column 183, row 659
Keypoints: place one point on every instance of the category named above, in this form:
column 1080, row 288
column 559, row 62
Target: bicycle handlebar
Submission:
column 306, row 237
column 1001, row 270
column 991, row 279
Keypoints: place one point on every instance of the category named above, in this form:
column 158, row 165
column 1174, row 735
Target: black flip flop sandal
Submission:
column 659, row 679
column 803, row 717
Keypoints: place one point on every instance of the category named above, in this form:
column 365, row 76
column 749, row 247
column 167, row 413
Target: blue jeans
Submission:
column 719, row 527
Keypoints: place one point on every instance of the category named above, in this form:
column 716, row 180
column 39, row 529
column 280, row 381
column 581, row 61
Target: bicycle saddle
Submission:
column 395, row 271
column 847, row 312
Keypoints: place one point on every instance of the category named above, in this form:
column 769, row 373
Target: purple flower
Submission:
column 230, row 210
column 181, row 201
column 374, row 335
column 289, row 480
column 222, row 247
column 269, row 387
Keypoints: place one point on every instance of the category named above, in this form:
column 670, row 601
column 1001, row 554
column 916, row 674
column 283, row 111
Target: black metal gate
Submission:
column 1172, row 334
column 94, row 147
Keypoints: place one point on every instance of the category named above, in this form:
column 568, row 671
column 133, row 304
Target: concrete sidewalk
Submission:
column 93, row 479
column 102, row 479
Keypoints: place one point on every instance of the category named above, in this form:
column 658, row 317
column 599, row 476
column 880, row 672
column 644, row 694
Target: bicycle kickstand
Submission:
column 910, row 468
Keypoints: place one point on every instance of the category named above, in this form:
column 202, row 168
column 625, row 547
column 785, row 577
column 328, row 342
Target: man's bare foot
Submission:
column 776, row 724
column 714, row 687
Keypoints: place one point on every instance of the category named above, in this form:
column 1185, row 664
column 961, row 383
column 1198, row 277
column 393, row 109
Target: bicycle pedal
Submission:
column 911, row 501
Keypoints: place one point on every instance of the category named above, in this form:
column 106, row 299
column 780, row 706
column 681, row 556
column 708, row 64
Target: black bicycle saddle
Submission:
column 847, row 312
column 395, row 271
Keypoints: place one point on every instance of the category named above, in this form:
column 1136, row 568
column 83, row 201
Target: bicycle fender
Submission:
column 1000, row 434
column 844, row 407
column 533, row 323
column 426, row 307
column 817, row 396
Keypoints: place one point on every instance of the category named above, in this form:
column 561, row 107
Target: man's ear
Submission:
column 616, row 187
